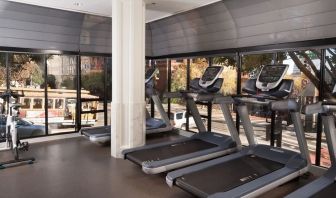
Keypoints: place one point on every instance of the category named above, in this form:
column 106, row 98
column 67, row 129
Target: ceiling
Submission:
column 155, row 9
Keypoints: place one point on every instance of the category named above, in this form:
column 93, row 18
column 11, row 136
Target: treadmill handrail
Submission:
column 172, row 95
column 285, row 105
column 320, row 107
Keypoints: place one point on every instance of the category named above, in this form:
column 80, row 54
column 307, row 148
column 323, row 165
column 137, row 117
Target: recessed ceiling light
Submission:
column 78, row 4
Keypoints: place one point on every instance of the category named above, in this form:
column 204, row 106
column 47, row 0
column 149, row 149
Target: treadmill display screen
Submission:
column 211, row 73
column 271, row 73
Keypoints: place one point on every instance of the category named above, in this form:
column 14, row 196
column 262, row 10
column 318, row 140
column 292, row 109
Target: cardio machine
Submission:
column 11, row 135
column 325, row 186
column 256, row 168
column 162, row 157
column 155, row 125
column 102, row 135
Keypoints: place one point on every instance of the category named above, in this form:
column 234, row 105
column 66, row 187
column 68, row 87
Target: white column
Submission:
column 128, row 73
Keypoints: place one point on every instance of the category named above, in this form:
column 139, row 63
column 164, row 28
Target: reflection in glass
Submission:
column 50, row 103
column 93, row 88
column 61, row 82
column 251, row 66
column 25, row 102
column 37, row 104
column 3, row 70
column 161, row 85
column 26, row 74
column 304, row 68
column 229, row 87
column 329, row 84
column 178, row 82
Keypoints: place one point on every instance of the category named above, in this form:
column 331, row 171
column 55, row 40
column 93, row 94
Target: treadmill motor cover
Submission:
column 169, row 151
column 248, row 168
column 154, row 123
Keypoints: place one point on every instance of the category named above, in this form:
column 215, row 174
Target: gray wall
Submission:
column 222, row 25
column 27, row 26
column 243, row 23
column 148, row 41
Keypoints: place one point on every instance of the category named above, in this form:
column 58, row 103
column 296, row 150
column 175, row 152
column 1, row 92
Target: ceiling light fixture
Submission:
column 78, row 4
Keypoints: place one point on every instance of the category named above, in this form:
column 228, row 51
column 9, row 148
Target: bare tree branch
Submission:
column 310, row 62
column 332, row 67
column 309, row 75
column 303, row 69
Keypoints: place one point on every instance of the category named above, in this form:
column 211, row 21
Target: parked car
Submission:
column 179, row 120
column 25, row 129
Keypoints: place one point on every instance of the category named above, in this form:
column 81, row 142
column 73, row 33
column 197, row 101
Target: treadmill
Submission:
column 256, row 168
column 155, row 125
column 102, row 135
column 162, row 157
column 324, row 186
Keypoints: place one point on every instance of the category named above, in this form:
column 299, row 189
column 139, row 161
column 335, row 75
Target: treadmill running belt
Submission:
column 329, row 191
column 169, row 151
column 226, row 176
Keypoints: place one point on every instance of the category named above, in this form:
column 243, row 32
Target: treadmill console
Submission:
column 150, row 74
column 210, row 75
column 271, row 76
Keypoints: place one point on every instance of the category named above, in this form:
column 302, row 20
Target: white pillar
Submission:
column 128, row 73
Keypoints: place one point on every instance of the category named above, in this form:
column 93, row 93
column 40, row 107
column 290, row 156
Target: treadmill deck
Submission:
column 227, row 176
column 169, row 151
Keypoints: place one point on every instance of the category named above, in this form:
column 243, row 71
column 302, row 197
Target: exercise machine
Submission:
column 11, row 135
column 155, row 125
column 256, row 168
column 102, row 134
column 325, row 186
column 99, row 135
column 162, row 157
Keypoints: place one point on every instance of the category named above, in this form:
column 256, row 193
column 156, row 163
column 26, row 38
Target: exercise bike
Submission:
column 11, row 135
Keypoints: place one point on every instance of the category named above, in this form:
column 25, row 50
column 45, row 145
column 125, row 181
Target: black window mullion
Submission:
column 46, row 93
column 79, row 103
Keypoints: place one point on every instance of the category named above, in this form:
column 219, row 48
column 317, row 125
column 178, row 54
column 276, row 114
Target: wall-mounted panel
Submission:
column 148, row 40
column 34, row 27
column 243, row 23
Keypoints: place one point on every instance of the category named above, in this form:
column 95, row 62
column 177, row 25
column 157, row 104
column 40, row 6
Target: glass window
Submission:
column 25, row 103
column 26, row 72
column 92, row 76
column 62, row 85
column 59, row 104
column 50, row 103
column 179, row 116
column 3, row 70
column 329, row 84
column 197, row 67
column 160, row 84
column 171, row 116
column 37, row 103
column 304, row 68
column 251, row 65
column 109, row 88
column 229, row 87
column 93, row 88
column 178, row 82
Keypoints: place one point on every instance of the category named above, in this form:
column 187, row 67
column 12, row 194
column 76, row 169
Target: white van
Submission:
column 179, row 120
